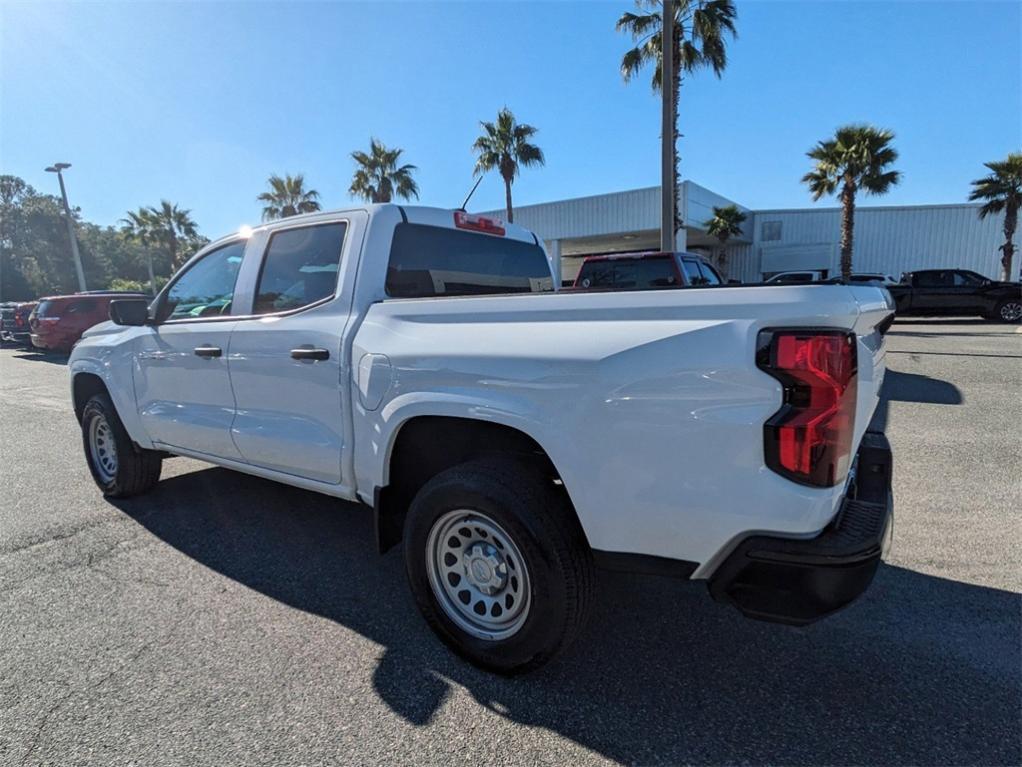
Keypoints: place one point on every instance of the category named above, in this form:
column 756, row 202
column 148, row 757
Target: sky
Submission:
column 199, row 102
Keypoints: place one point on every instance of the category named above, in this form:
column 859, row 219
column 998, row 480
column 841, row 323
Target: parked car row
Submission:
column 14, row 327
column 55, row 323
column 934, row 292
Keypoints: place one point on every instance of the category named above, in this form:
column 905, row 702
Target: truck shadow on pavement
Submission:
column 922, row 670
column 912, row 387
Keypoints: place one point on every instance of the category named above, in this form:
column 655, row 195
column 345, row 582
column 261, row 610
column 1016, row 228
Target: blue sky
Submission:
column 199, row 102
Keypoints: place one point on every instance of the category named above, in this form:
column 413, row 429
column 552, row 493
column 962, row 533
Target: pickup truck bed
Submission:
column 512, row 438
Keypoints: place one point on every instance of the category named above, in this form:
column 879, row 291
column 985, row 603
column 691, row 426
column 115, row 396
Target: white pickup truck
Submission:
column 514, row 438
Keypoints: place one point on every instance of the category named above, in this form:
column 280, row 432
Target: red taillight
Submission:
column 809, row 440
column 464, row 220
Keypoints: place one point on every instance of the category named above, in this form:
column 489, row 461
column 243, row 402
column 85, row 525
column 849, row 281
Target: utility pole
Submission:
column 668, row 191
column 57, row 167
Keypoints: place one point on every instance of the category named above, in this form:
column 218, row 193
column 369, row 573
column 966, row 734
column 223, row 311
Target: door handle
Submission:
column 208, row 351
column 310, row 354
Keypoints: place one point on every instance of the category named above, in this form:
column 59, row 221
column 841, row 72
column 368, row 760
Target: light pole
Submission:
column 57, row 167
column 668, row 190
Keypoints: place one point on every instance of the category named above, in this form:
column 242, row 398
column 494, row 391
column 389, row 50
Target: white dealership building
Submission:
column 888, row 239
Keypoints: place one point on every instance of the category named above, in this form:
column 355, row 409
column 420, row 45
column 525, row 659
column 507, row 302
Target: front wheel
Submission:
column 119, row 466
column 498, row 564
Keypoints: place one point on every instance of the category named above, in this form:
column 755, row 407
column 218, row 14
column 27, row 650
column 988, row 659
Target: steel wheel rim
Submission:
column 1011, row 312
column 103, row 448
column 478, row 575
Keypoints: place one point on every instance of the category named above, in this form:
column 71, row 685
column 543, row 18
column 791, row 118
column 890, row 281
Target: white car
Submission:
column 514, row 438
column 787, row 278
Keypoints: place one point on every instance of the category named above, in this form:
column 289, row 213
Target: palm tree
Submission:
column 140, row 225
column 856, row 159
column 725, row 224
column 1002, row 190
column 378, row 176
column 288, row 197
column 166, row 227
column 700, row 31
column 505, row 146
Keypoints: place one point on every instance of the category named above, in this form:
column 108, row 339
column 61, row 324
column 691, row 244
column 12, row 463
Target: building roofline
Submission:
column 583, row 197
column 859, row 208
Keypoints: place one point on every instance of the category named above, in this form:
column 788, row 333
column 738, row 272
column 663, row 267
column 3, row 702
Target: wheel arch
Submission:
column 425, row 445
column 85, row 386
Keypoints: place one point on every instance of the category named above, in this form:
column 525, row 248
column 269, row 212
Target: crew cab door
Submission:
column 182, row 385
column 287, row 362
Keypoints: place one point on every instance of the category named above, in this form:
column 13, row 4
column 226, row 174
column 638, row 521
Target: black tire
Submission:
column 537, row 516
column 1007, row 311
column 137, row 470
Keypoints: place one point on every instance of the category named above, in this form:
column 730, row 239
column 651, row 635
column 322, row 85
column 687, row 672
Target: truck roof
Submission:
column 414, row 214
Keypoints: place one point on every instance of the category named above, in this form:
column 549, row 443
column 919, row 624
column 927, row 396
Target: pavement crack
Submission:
column 129, row 659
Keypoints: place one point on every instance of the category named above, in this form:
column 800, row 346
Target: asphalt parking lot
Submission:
column 228, row 620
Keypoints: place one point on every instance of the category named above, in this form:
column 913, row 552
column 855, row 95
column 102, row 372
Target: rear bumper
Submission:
column 799, row 581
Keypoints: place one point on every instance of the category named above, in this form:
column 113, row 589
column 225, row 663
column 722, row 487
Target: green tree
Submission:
column 1002, row 191
column 701, row 30
column 378, row 177
column 35, row 256
column 725, row 224
column 857, row 159
column 506, row 146
column 165, row 229
column 288, row 197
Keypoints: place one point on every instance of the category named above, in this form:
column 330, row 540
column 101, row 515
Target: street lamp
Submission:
column 57, row 167
column 668, row 190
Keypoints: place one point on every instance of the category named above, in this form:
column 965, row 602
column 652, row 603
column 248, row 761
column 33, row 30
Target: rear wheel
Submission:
column 119, row 466
column 498, row 564
column 1009, row 311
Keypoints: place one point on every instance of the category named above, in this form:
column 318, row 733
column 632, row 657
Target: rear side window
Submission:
column 81, row 307
column 934, row 279
column 428, row 261
column 207, row 288
column 629, row 274
column 300, row 268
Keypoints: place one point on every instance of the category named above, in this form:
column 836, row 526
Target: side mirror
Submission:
column 129, row 311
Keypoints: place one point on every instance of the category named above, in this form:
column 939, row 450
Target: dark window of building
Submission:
column 770, row 231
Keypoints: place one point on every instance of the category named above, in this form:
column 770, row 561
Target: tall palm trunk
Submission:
column 507, row 200
column 1008, row 248
column 847, row 228
column 722, row 258
column 678, row 222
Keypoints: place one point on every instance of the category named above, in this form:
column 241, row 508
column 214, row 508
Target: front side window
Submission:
column 300, row 268
column 968, row 279
column 428, row 261
column 692, row 274
column 708, row 274
column 207, row 288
